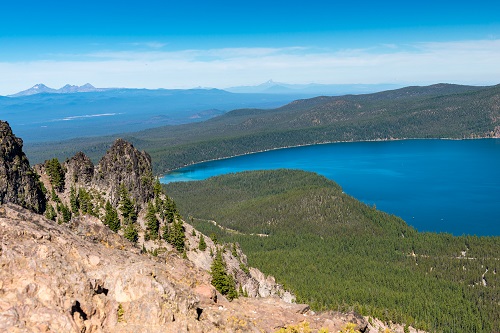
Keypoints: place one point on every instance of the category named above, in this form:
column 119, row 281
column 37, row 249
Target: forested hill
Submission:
column 437, row 111
column 338, row 253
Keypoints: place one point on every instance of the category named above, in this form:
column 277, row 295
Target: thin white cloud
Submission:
column 152, row 45
column 194, row 54
column 468, row 62
column 86, row 116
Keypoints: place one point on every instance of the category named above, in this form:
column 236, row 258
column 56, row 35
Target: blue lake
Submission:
column 434, row 185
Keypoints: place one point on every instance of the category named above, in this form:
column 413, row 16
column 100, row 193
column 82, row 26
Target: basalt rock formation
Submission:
column 79, row 169
column 124, row 164
column 18, row 182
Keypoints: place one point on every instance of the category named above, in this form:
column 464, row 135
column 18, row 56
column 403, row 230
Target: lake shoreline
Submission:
column 319, row 143
column 435, row 185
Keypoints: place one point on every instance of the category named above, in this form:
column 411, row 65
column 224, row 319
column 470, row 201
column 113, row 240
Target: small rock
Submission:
column 94, row 260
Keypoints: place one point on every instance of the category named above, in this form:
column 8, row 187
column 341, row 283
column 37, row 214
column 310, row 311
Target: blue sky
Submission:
column 185, row 44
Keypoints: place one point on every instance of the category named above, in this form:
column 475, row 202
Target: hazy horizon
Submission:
column 223, row 44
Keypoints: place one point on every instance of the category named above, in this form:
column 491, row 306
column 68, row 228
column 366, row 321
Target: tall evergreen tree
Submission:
column 170, row 210
column 73, row 201
column 85, row 200
column 50, row 213
column 54, row 197
column 152, row 223
column 221, row 280
column 176, row 235
column 111, row 217
column 65, row 212
column 157, row 189
column 202, row 246
column 56, row 174
column 127, row 206
column 131, row 233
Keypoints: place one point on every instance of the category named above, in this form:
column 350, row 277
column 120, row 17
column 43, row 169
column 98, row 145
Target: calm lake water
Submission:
column 434, row 185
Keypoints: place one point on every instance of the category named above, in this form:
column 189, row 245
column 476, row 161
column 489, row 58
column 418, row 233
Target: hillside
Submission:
column 335, row 252
column 112, row 254
column 437, row 111
column 413, row 112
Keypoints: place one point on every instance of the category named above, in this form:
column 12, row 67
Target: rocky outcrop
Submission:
column 124, row 164
column 18, row 182
column 79, row 170
column 85, row 278
column 252, row 281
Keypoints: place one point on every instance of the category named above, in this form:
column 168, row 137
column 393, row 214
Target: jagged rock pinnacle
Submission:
column 18, row 183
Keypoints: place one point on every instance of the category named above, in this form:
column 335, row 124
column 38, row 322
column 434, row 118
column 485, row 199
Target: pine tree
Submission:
column 50, row 213
column 166, row 233
column 127, row 207
column 157, row 189
column 159, row 206
column 130, row 233
column 65, row 212
column 73, row 201
column 152, row 223
column 176, row 235
column 111, row 217
column 221, row 280
column 213, row 237
column 202, row 246
column 56, row 174
column 85, row 199
column 170, row 210
column 54, row 197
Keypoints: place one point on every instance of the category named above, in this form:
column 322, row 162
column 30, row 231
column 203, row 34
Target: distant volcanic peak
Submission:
column 40, row 86
column 75, row 89
column 36, row 89
column 67, row 89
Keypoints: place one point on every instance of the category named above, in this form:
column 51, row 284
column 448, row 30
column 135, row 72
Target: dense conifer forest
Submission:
column 337, row 253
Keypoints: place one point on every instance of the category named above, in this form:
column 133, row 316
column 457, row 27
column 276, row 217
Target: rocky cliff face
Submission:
column 79, row 170
column 85, row 278
column 123, row 164
column 18, row 182
column 252, row 281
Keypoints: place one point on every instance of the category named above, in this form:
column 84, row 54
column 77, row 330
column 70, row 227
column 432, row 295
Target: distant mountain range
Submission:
column 40, row 88
column 45, row 114
column 268, row 87
column 272, row 87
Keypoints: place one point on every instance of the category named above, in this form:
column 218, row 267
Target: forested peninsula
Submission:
column 337, row 253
